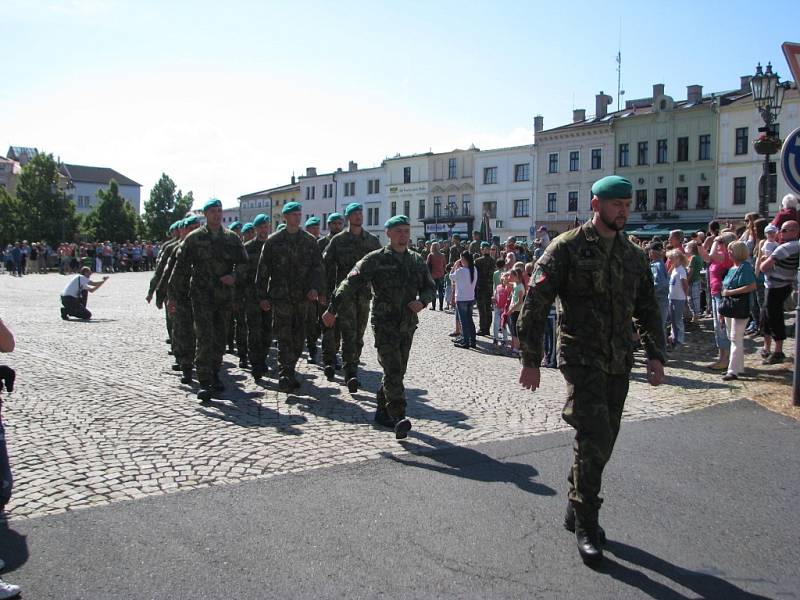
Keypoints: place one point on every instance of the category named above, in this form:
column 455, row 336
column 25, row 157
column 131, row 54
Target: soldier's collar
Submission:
column 590, row 231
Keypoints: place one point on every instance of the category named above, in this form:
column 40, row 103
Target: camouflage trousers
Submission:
column 483, row 298
column 352, row 322
column 313, row 325
column 259, row 333
column 289, row 324
column 594, row 408
column 211, row 333
column 331, row 340
column 183, row 342
column 393, row 347
column 168, row 318
column 237, row 331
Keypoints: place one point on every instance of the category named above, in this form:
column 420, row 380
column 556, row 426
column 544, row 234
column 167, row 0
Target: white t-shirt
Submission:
column 465, row 289
column 675, row 286
column 75, row 286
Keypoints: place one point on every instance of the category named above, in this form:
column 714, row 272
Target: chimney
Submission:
column 538, row 123
column 293, row 180
column 694, row 94
column 352, row 166
column 745, row 83
column 658, row 90
column 311, row 171
column 578, row 115
column 601, row 102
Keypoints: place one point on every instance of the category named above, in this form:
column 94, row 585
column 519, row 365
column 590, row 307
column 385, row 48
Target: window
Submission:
column 521, row 208
column 393, row 212
column 422, row 208
column 437, row 206
column 330, row 189
column 552, row 199
column 597, row 158
column 310, row 192
column 623, row 157
column 324, row 221
column 452, row 207
column 372, row 216
column 681, row 198
column 741, row 140
column 704, row 149
column 490, row 175
column 574, row 160
column 683, row 149
column 406, row 174
column 522, row 172
column 350, row 188
column 407, row 208
column 641, row 158
column 641, row 200
column 572, row 202
column 451, row 168
column 373, row 186
column 466, row 204
column 490, row 210
column 552, row 163
column 703, row 197
column 661, row 151
column 739, row 190
column 661, row 199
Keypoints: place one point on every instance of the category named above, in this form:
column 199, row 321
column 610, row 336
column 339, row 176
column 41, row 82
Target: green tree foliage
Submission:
column 166, row 205
column 47, row 214
column 10, row 218
column 112, row 219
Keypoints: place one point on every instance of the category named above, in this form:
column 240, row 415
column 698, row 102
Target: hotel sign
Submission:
column 409, row 188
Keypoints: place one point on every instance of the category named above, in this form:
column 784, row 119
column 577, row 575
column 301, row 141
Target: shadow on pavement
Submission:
column 682, row 382
column 240, row 409
column 703, row 584
column 13, row 546
column 471, row 464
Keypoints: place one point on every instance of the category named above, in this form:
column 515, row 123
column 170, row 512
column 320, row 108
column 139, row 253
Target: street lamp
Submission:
column 452, row 211
column 768, row 97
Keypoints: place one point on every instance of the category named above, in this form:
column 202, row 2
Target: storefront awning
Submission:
column 650, row 230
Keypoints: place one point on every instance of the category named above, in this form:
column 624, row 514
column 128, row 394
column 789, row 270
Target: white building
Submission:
column 368, row 188
column 229, row 215
column 504, row 191
column 740, row 168
column 407, row 186
column 84, row 183
column 317, row 194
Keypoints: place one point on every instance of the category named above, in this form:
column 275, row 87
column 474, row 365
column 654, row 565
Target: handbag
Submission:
column 735, row 307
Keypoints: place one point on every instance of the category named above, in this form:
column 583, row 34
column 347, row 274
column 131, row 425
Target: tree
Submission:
column 47, row 214
column 112, row 219
column 10, row 218
column 166, row 205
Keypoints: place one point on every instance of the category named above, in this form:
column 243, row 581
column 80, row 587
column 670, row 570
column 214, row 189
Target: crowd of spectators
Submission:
column 22, row 258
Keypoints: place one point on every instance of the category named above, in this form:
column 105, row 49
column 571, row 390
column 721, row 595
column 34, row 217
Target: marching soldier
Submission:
column 330, row 337
column 238, row 328
column 313, row 329
column 259, row 321
column 167, row 248
column 484, row 289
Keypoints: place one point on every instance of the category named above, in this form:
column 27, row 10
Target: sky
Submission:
column 229, row 98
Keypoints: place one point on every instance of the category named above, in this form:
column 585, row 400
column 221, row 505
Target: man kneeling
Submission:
column 75, row 294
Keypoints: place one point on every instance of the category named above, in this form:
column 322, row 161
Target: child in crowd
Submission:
column 502, row 297
column 678, row 292
column 515, row 278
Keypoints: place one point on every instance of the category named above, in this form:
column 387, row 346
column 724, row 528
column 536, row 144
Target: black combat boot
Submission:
column 187, row 376
column 352, row 384
column 589, row 546
column 401, row 428
column 383, row 418
column 243, row 363
column 330, row 372
column 312, row 354
column 177, row 367
column 569, row 523
column 205, row 393
column 285, row 384
column 217, row 385
column 258, row 373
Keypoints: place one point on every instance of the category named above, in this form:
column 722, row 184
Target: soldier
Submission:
column 237, row 330
column 313, row 328
column 166, row 249
column 248, row 232
column 288, row 281
column 259, row 322
column 605, row 285
column 475, row 245
column 205, row 272
column 484, row 289
column 341, row 255
column 330, row 337
column 402, row 286
column 455, row 250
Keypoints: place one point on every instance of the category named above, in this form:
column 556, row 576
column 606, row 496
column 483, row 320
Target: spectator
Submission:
column 788, row 211
column 660, row 281
column 436, row 265
column 740, row 279
column 780, row 269
column 678, row 291
column 515, row 278
column 502, row 297
column 693, row 277
column 465, row 278
column 16, row 260
column 719, row 262
column 73, row 299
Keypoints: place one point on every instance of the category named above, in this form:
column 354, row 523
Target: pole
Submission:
column 765, row 191
column 796, row 378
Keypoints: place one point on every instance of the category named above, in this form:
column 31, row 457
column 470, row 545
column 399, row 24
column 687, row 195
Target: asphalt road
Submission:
column 699, row 505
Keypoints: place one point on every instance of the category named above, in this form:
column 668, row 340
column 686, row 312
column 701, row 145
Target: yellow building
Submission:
column 269, row 202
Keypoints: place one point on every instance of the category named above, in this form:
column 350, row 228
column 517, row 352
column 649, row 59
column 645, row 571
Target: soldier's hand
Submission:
column 148, row 298
column 227, row 279
column 265, row 305
column 529, row 378
column 655, row 372
column 416, row 306
column 313, row 295
column 172, row 306
column 328, row 319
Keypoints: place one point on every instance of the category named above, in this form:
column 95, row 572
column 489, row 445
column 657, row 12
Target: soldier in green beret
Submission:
column 335, row 225
column 402, row 286
column 313, row 327
column 484, row 289
column 205, row 273
column 167, row 248
column 259, row 321
column 248, row 232
column 605, row 287
column 237, row 329
column 475, row 244
column 289, row 279
column 341, row 255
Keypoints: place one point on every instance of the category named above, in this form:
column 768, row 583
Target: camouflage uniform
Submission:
column 397, row 278
column 156, row 280
column 259, row 322
column 475, row 247
column 203, row 259
column 485, row 266
column 455, row 253
column 603, row 289
column 341, row 255
column 290, row 267
column 183, row 340
column 237, row 332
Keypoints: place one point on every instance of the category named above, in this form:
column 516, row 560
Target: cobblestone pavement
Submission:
column 99, row 416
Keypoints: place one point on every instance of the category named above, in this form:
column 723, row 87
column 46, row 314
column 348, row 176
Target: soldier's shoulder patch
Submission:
column 539, row 276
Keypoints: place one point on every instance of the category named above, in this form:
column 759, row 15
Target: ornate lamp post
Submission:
column 768, row 97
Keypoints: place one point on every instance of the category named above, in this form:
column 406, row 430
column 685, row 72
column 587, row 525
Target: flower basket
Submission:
column 767, row 145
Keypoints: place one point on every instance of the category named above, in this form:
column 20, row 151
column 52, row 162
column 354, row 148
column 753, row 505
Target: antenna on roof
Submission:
column 620, row 91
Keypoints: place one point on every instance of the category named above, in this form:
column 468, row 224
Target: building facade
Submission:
column 270, row 202
column 449, row 206
column 317, row 194
column 9, row 171
column 368, row 188
column 85, row 182
column 407, row 188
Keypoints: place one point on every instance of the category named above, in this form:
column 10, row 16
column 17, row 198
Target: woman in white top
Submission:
column 464, row 277
column 678, row 290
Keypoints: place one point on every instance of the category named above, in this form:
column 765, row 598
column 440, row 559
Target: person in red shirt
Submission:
column 788, row 211
column 437, row 263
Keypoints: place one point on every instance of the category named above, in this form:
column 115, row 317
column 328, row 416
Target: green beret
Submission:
column 334, row 216
column 311, row 221
column 395, row 221
column 612, row 187
column 173, row 226
column 234, row 226
column 485, row 245
column 290, row 207
column 353, row 206
column 281, row 227
column 260, row 219
column 247, row 227
column 190, row 220
column 212, row 203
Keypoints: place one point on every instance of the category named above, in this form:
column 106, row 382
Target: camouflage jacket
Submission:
column 475, row 247
column 246, row 272
column 397, row 278
column 602, row 295
column 163, row 256
column 323, row 242
column 290, row 266
column 341, row 255
column 454, row 253
column 202, row 260
column 485, row 265
column 167, row 266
